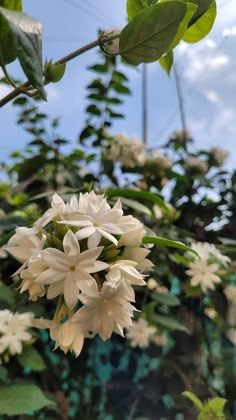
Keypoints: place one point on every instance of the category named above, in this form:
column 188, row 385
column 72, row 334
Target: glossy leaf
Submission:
column 22, row 399
column 7, row 52
column 140, row 195
column 202, row 26
column 133, row 7
column 150, row 34
column 26, row 40
column 6, row 294
column 157, row 240
column 30, row 358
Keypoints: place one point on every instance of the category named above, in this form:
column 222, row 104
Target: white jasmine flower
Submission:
column 57, row 206
column 68, row 336
column 124, row 274
column 99, row 221
column 140, row 333
column 159, row 339
column 104, row 311
column 69, row 271
column 13, row 330
column 130, row 152
column 196, row 163
column 203, row 275
column 206, row 250
column 138, row 255
column 29, row 275
column 134, row 237
column 22, row 246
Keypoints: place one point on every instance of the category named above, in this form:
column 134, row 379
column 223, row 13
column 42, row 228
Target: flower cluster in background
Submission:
column 87, row 256
column 14, row 331
column 205, row 272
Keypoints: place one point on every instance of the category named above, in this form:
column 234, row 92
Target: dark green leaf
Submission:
column 157, row 240
column 31, row 359
column 140, row 195
column 150, row 34
column 169, row 323
column 167, row 299
column 26, row 36
column 93, row 109
column 7, row 295
column 7, row 52
column 22, row 399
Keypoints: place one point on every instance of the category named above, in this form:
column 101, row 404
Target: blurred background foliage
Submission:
column 196, row 350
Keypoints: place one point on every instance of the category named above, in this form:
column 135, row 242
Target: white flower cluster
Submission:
column 219, row 155
column 130, row 152
column 204, row 272
column 88, row 256
column 196, row 164
column 159, row 159
column 13, row 331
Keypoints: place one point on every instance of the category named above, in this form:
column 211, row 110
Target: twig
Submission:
column 23, row 88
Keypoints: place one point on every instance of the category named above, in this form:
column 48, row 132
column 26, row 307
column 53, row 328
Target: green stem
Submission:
column 23, row 88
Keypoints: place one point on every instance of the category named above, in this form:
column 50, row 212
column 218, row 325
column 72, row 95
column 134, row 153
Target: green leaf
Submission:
column 194, row 399
column 167, row 299
column 7, row 53
column 202, row 26
column 157, row 240
column 166, row 61
column 22, row 399
column 31, row 359
column 150, row 34
column 54, row 73
column 7, row 295
column 133, row 204
column 140, row 195
column 169, row 323
column 192, row 291
column 133, row 7
column 26, row 41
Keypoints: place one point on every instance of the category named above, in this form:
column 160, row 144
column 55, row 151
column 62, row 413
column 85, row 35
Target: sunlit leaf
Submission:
column 22, row 399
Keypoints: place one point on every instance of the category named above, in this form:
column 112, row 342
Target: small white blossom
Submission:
column 206, row 250
column 203, row 275
column 69, row 271
column 104, row 311
column 13, row 330
column 124, row 274
column 140, row 333
column 68, row 336
column 130, row 152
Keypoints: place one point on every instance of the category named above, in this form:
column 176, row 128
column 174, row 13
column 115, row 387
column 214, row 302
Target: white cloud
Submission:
column 230, row 31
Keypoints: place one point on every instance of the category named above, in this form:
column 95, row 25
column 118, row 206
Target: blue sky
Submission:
column 207, row 72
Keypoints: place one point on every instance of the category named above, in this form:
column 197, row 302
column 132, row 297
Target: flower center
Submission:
column 72, row 268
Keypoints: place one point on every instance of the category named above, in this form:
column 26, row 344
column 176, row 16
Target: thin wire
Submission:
column 191, row 90
column 84, row 9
